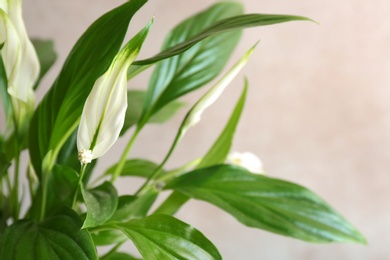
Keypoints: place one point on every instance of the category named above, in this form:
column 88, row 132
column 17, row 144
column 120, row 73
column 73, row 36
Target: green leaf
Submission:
column 101, row 203
column 188, row 71
column 4, row 164
column 136, row 99
column 165, row 237
column 108, row 237
column 225, row 25
column 119, row 256
column 61, row 187
column 46, row 55
column 220, row 149
column 58, row 114
column 58, row 237
column 135, row 167
column 134, row 207
column 5, row 97
column 271, row 204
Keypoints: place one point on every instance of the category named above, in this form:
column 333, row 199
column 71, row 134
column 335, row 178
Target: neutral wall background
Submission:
column 317, row 112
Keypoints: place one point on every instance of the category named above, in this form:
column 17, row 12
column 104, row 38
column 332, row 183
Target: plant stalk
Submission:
column 123, row 158
column 76, row 193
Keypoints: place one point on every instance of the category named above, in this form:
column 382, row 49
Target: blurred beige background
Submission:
column 318, row 112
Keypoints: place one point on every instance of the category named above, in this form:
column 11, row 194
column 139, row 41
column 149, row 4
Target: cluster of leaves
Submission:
column 194, row 53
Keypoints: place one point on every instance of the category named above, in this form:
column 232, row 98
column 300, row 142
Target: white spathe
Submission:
column 104, row 110
column 19, row 56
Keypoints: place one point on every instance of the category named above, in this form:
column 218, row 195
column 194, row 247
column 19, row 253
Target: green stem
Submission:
column 45, row 180
column 123, row 158
column 113, row 250
column 76, row 193
column 179, row 135
column 174, row 173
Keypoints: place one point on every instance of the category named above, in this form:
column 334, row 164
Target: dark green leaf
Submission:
column 46, row 55
column 58, row 237
column 135, row 167
column 164, row 237
column 136, row 99
column 4, row 164
column 188, row 71
column 5, row 97
column 108, row 237
column 101, row 203
column 267, row 203
column 59, row 112
column 61, row 187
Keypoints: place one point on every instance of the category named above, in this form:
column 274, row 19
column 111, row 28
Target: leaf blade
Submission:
column 271, row 204
column 58, row 237
column 149, row 234
column 101, row 203
column 190, row 70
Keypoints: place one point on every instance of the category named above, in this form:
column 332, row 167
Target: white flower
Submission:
column 19, row 56
column 246, row 160
column 105, row 108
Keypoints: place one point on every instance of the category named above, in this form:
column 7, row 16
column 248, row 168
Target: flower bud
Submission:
column 246, row 160
column 105, row 108
column 194, row 115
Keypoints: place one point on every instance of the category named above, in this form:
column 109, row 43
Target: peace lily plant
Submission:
column 68, row 210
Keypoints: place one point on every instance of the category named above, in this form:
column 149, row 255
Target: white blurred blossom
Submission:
column 19, row 56
column 246, row 160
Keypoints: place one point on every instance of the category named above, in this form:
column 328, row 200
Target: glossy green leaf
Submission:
column 165, row 237
column 271, row 204
column 135, row 167
column 46, row 55
column 58, row 237
column 220, row 149
column 136, row 99
column 59, row 112
column 192, row 69
column 134, row 207
column 101, row 203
